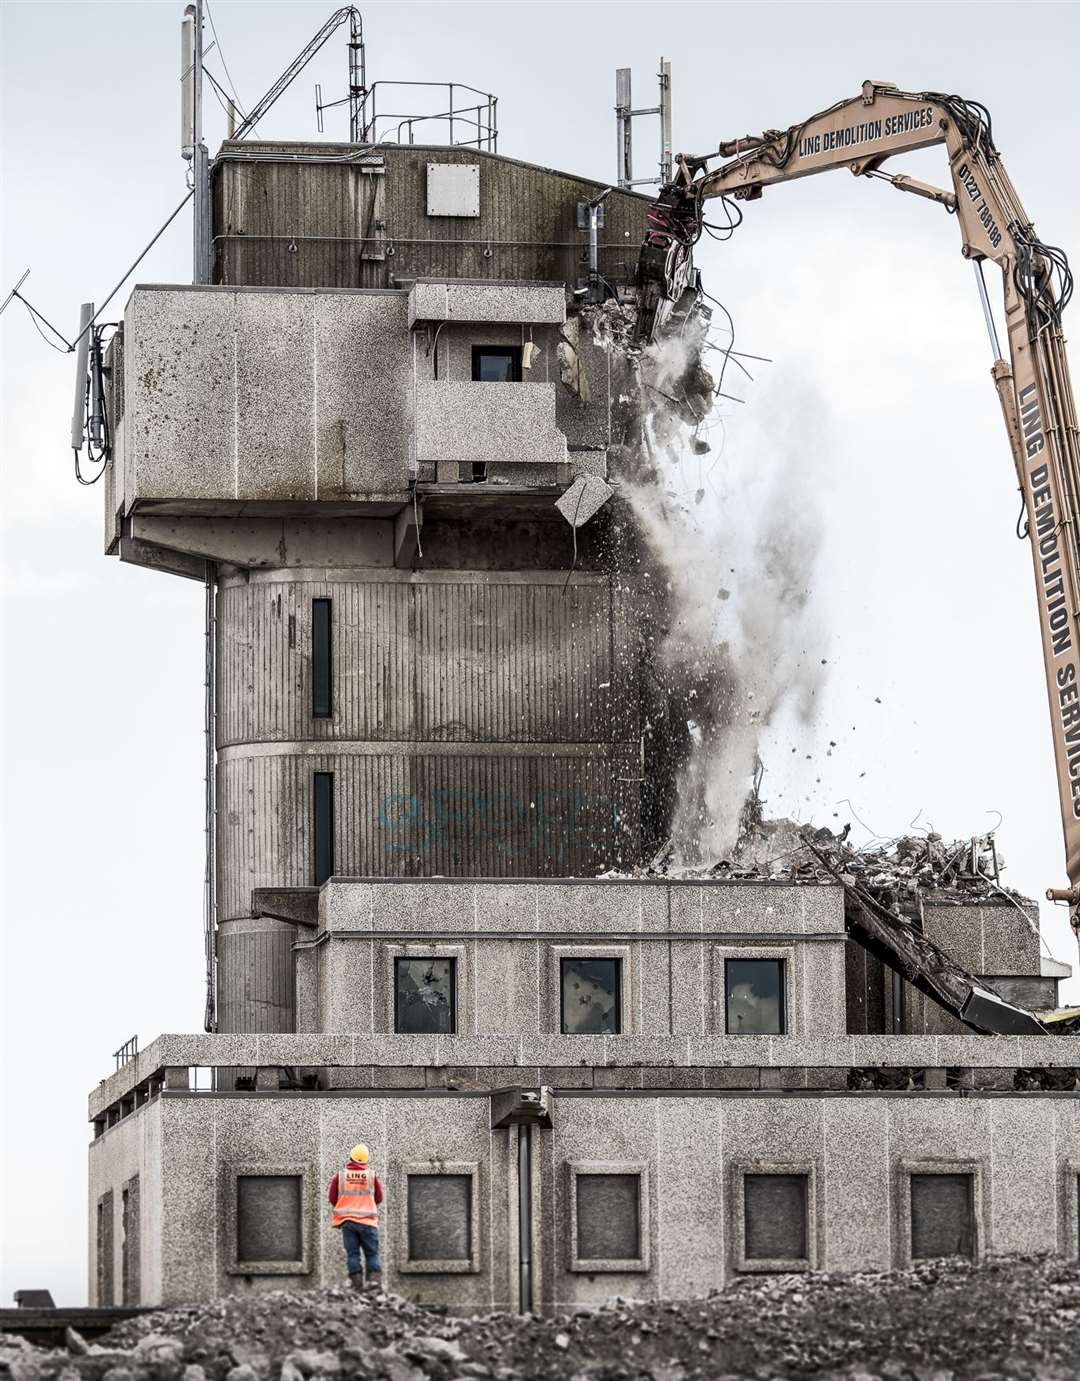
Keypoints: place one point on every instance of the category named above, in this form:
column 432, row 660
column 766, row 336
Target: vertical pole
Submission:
column 200, row 166
column 525, row 1230
column 452, row 115
column 623, row 138
column 210, row 768
column 666, row 162
column 357, row 76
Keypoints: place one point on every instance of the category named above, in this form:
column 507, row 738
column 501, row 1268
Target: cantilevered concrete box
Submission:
column 264, row 396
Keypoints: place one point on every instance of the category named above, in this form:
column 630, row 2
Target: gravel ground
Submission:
column 943, row 1321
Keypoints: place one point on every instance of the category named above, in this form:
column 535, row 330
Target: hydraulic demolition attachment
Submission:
column 1032, row 383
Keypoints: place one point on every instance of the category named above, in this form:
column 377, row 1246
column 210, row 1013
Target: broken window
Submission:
column 775, row 1220
column 754, row 997
column 322, row 706
column 608, row 1217
column 323, row 812
column 425, row 996
column 269, row 1219
column 591, row 996
column 440, row 1213
column 942, row 1215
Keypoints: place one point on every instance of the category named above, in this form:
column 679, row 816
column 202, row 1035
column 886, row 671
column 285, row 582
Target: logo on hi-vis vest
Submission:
column 866, row 132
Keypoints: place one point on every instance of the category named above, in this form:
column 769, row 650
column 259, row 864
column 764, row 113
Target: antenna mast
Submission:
column 357, row 75
column 192, row 147
column 624, row 118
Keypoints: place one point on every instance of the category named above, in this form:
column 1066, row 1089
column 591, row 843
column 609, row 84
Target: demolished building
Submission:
column 389, row 436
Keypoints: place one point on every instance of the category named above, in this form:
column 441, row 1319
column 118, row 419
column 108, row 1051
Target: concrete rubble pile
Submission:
column 943, row 1321
column 959, row 872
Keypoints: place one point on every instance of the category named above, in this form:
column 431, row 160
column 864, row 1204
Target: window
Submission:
column 324, row 826
column 440, row 1224
column 496, row 364
column 774, row 1217
column 267, row 1219
column 754, row 997
column 609, row 1230
column 591, row 996
column 440, row 1217
column 425, row 996
column 322, row 706
column 609, row 1225
column 942, row 1215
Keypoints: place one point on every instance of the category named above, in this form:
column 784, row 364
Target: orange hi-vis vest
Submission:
column 356, row 1197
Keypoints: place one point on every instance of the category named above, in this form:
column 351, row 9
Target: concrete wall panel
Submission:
column 266, row 396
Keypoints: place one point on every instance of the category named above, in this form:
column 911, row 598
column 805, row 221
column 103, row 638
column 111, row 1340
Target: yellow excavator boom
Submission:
column 1032, row 383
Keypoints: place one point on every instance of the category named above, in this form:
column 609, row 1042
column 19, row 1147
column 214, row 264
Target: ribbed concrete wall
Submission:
column 483, row 725
column 256, row 989
column 449, row 658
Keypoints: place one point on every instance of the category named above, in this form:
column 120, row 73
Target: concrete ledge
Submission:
column 639, row 1058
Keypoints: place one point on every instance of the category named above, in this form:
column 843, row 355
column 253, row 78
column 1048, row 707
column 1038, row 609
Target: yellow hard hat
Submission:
column 360, row 1154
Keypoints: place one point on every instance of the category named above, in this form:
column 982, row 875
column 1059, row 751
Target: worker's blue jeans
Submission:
column 361, row 1247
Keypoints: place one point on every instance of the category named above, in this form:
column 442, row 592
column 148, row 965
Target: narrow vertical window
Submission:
column 322, row 703
column 324, row 826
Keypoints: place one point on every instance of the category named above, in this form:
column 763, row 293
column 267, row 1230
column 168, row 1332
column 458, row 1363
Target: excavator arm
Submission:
column 1032, row 383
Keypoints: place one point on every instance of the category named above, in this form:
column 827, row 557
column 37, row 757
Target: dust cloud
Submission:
column 738, row 530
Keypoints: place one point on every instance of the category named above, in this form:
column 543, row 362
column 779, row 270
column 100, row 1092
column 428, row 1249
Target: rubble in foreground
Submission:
column 942, row 1321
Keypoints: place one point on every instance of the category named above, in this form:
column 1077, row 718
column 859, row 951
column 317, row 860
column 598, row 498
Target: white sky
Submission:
column 858, row 294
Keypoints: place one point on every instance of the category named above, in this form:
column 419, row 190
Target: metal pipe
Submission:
column 210, row 768
column 525, row 1265
column 665, row 122
column 988, row 316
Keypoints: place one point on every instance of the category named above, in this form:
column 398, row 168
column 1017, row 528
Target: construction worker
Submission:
column 355, row 1194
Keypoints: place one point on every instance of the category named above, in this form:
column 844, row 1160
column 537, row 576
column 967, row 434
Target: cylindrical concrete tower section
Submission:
column 480, row 724
column 256, row 987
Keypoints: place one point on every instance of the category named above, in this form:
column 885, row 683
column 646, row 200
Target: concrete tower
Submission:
column 382, row 436
column 358, row 436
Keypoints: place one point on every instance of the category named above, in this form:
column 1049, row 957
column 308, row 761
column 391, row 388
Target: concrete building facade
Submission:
column 435, row 722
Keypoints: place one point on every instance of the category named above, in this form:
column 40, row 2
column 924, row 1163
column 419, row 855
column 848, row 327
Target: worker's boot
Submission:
column 374, row 1282
column 356, row 1280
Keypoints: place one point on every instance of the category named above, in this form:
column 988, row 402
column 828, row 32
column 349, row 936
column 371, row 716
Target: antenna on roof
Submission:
column 624, row 118
column 357, row 82
column 82, row 356
column 192, row 147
